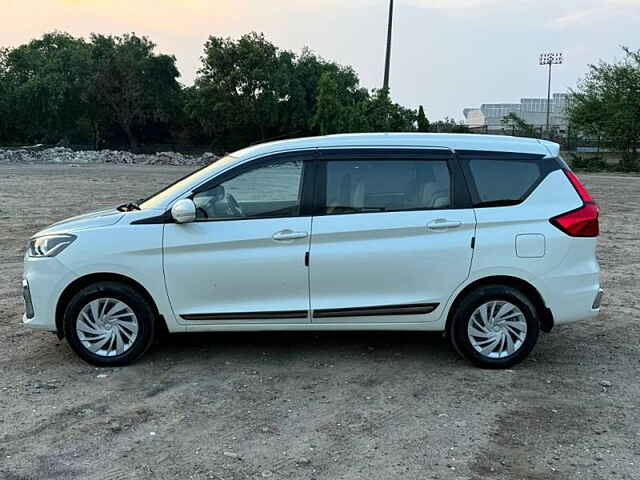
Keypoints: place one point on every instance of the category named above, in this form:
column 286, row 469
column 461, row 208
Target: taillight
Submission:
column 577, row 184
column 582, row 222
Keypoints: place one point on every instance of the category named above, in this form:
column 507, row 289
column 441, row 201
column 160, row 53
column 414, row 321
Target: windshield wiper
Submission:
column 127, row 207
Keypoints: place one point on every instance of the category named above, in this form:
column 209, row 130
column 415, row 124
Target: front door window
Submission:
column 267, row 191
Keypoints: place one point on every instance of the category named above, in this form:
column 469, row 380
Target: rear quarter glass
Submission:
column 501, row 179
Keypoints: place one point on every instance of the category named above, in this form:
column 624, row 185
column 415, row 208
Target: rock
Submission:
column 605, row 383
column 46, row 386
column 231, row 454
column 38, row 154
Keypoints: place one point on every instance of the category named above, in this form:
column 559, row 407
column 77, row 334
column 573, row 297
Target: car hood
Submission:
column 102, row 218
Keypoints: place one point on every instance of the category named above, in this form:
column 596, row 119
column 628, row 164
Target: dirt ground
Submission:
column 308, row 406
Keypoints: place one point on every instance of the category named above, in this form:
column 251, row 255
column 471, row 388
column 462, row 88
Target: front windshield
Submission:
column 193, row 178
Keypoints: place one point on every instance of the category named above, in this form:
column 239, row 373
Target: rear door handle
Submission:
column 443, row 224
column 288, row 235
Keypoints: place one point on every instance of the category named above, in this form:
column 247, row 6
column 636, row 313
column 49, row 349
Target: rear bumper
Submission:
column 575, row 298
column 571, row 290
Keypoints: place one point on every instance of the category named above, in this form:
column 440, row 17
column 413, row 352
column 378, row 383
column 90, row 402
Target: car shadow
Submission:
column 318, row 344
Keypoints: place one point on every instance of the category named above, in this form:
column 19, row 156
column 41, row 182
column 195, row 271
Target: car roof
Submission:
column 449, row 141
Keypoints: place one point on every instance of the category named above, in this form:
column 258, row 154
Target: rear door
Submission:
column 515, row 195
column 391, row 239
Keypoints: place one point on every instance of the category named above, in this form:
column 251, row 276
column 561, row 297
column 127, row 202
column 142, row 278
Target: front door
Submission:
column 243, row 259
column 391, row 241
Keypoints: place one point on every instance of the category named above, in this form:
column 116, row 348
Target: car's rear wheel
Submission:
column 495, row 326
column 109, row 324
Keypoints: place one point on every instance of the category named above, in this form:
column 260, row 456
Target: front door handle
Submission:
column 288, row 235
column 443, row 224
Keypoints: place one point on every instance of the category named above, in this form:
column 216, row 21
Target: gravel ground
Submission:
column 307, row 406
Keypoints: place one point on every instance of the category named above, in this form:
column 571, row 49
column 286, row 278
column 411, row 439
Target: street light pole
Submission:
column 385, row 84
column 550, row 59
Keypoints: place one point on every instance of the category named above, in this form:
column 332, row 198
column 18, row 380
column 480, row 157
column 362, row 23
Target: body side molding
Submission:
column 407, row 309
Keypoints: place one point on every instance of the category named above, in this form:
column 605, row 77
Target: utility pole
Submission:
column 550, row 59
column 387, row 62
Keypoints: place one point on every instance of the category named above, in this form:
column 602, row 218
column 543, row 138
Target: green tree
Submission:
column 519, row 127
column 6, row 124
column 328, row 109
column 237, row 88
column 402, row 119
column 385, row 116
column 249, row 90
column 606, row 104
column 355, row 117
column 293, row 113
column 130, row 84
column 379, row 111
column 449, row 125
column 41, row 86
column 112, row 89
column 423, row 123
column 308, row 71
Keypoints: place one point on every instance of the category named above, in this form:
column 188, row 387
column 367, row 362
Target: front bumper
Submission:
column 597, row 300
column 43, row 282
column 28, row 304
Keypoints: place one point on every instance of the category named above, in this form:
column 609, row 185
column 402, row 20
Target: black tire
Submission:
column 133, row 299
column 462, row 316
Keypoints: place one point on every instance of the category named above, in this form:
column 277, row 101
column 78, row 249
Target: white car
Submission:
column 489, row 239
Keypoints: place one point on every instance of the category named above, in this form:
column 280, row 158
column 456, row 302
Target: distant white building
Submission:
column 474, row 117
column 532, row 110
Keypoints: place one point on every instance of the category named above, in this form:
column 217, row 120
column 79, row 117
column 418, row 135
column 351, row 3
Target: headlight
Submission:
column 49, row 245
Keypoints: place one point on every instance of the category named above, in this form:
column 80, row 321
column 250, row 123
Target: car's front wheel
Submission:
column 109, row 324
column 495, row 326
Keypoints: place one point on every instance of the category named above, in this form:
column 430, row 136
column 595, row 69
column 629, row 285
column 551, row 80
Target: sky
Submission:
column 446, row 54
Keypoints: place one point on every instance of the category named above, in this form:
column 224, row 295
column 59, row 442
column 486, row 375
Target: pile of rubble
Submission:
column 66, row 155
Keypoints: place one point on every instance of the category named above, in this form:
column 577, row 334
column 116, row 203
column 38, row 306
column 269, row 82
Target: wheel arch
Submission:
column 546, row 316
column 86, row 280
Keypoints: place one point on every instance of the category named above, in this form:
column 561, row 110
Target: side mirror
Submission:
column 184, row 211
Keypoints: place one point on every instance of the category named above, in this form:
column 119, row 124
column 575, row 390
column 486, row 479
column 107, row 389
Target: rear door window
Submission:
column 362, row 186
column 503, row 181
